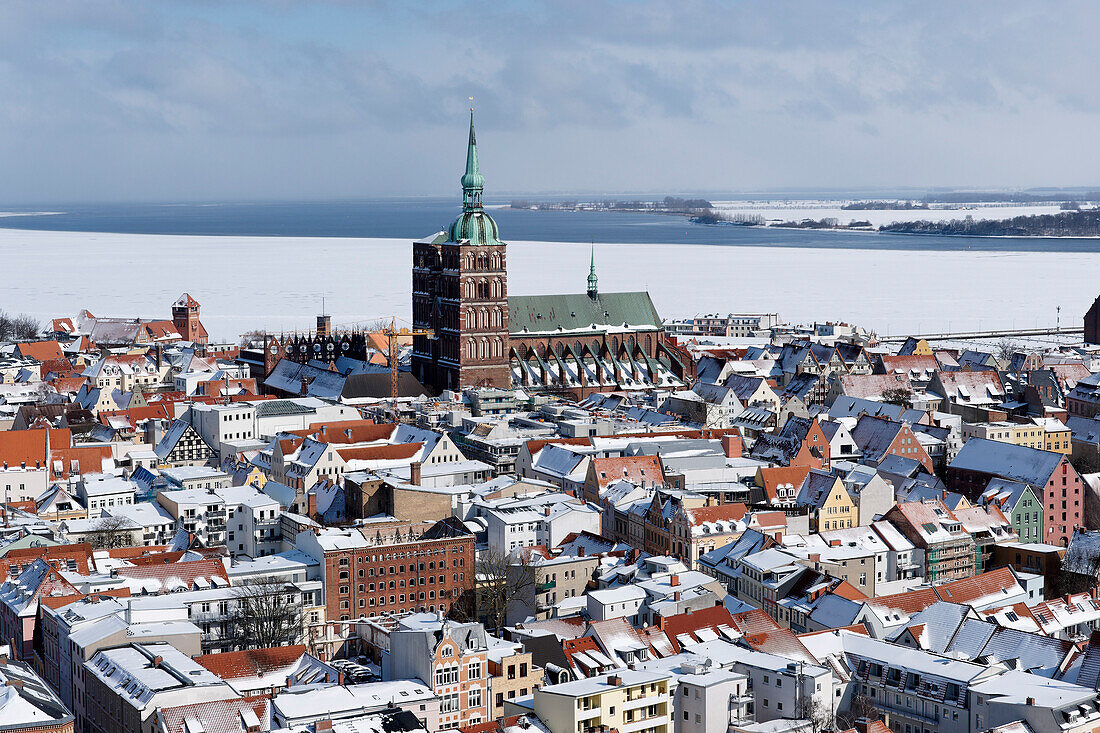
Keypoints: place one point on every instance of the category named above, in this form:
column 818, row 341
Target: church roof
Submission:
column 578, row 313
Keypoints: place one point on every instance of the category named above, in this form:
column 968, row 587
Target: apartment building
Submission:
column 252, row 521
column 949, row 551
column 199, row 511
column 392, row 566
column 451, row 658
column 512, row 674
column 628, row 700
column 125, row 686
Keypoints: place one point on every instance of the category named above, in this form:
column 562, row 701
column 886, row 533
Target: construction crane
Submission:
column 391, row 335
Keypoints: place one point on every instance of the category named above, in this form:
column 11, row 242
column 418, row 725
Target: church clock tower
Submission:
column 460, row 291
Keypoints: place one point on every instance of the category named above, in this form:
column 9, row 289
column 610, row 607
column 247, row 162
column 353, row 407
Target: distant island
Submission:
column 885, row 205
column 1071, row 221
column 667, row 205
column 1080, row 223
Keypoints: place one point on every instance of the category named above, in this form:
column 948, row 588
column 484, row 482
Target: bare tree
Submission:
column 1004, row 350
column 19, row 328
column 898, row 396
column 251, row 339
column 266, row 613
column 111, row 533
column 860, row 706
column 27, row 327
column 503, row 580
column 819, row 716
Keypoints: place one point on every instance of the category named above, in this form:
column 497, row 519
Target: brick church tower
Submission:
column 460, row 291
column 185, row 318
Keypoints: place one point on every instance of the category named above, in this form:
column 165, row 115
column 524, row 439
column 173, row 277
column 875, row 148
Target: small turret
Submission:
column 593, row 290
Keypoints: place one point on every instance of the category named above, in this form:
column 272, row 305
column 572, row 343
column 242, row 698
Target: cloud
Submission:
column 381, row 86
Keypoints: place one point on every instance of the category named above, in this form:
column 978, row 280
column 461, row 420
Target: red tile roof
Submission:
column 89, row 459
column 689, row 623
column 30, row 446
column 969, row 590
column 632, row 468
column 252, row 662
column 216, row 716
column 909, row 603
column 844, row 589
column 775, row 476
column 185, row 572
column 782, row 642
column 55, row 555
column 156, row 411
column 720, row 513
column 381, row 452
column 40, row 350
column 347, row 431
column 755, row 621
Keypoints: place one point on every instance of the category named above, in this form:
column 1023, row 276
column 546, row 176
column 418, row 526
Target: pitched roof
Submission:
column 1016, row 462
column 777, row 476
column 578, row 313
column 756, row 621
column 166, row 577
column 252, row 662
column 234, row 715
column 686, row 624
column 631, row 468
column 40, row 350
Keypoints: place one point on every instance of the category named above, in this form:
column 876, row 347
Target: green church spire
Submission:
column 593, row 291
column 472, row 181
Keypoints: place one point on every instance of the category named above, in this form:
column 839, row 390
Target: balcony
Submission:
column 548, row 585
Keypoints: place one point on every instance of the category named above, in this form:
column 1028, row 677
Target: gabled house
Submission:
column 801, row 442
column 878, row 437
column 183, row 446
column 829, row 504
column 1051, row 476
column 1019, row 503
column 949, row 551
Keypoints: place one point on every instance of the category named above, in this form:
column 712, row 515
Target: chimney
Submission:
column 311, row 504
column 943, row 495
column 676, row 596
column 815, row 557
column 614, row 680
column 1031, row 702
column 581, row 551
column 157, row 661
column 415, row 473
column 340, row 678
column 863, row 725
column 321, row 725
column 674, row 580
column 731, row 445
column 546, row 511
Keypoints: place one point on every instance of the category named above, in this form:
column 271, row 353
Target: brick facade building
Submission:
column 392, row 567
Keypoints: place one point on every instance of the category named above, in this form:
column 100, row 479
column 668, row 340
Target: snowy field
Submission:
column 780, row 211
column 276, row 283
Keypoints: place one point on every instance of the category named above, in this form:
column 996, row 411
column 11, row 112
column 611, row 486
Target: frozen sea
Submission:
column 893, row 284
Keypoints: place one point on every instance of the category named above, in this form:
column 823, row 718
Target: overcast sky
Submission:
column 139, row 100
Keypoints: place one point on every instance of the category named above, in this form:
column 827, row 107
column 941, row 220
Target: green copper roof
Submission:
column 472, row 177
column 473, row 223
column 579, row 312
column 476, row 226
column 593, row 290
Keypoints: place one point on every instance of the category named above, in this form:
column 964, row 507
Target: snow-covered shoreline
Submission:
column 276, row 283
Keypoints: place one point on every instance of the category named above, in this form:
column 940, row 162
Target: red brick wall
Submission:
column 438, row 570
